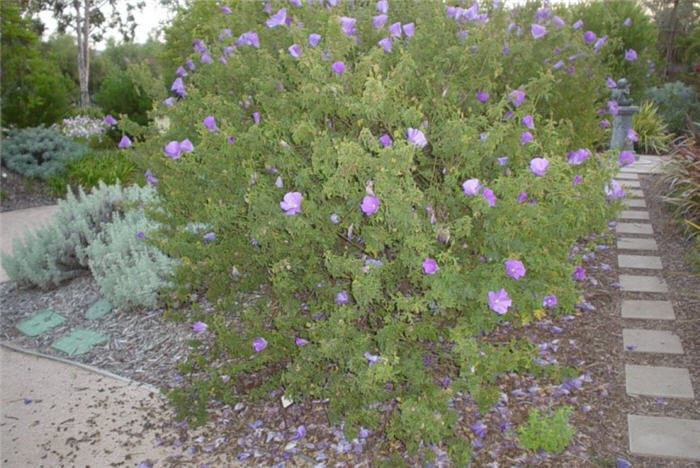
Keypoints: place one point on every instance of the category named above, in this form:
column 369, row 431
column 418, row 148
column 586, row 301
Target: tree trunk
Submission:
column 669, row 39
column 83, row 36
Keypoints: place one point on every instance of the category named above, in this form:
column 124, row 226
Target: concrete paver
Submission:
column 639, row 261
column 629, row 183
column 664, row 437
column 658, row 381
column 635, row 192
column 626, row 243
column 636, row 283
column 634, row 203
column 634, row 228
column 647, row 310
column 627, row 176
column 651, row 341
column 634, row 214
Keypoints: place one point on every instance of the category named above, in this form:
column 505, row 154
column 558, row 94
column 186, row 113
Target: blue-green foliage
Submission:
column 677, row 102
column 39, row 152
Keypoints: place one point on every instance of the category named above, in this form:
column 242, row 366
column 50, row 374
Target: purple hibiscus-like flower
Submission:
column 395, row 30
column 576, row 180
column 630, row 55
column 522, row 196
column 294, row 50
column 109, row 120
column 514, row 268
column 231, row 139
column 300, row 341
column 385, row 140
column 259, row 343
column 278, row 19
column 409, row 29
column 385, row 43
column 314, row 39
column 369, row 205
column 416, row 137
column 577, row 24
column 589, row 36
column 558, row 21
column 209, row 237
column 539, row 166
column 169, row 102
column 471, row 186
column 291, row 203
column 517, row 97
column 499, row 301
column 383, row 6
column 579, row 273
column 198, row 45
column 528, row 121
column 205, row 58
column 613, row 107
column 631, row 136
column 342, row 297
column 178, row 87
column 279, row 183
column 502, row 161
column 482, row 96
column 181, row 71
column 379, row 21
column 625, row 158
column 225, row 9
column 430, row 266
column 558, row 65
column 124, row 143
column 210, row 122
column 604, row 123
column 172, row 150
column 627, row 21
column 199, row 327
column 347, row 24
column 610, row 83
column 537, row 31
column 140, row 235
column 256, row 117
column 525, row 138
column 338, row 67
column 149, row 177
column 189, row 64
column 550, row 300
column 299, row 433
column 334, row 218
column 249, row 38
column 600, row 43
column 372, row 358
column 489, row 196
column 578, row 156
column 478, row 428
column 614, row 190
column 186, row 146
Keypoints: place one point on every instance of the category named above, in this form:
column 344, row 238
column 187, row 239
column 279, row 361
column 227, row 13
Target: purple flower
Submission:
column 199, row 327
column 514, row 268
column 109, row 120
column 256, row 117
column 630, row 55
column 226, row 32
column 471, row 186
column 632, row 135
column 314, row 39
column 296, row 3
column 600, row 43
column 231, row 139
column 181, row 71
column 205, row 58
column 278, row 19
column 604, row 123
column 505, row 50
column 294, row 50
column 209, row 237
column 210, row 122
column 385, row 43
column 385, row 140
column 186, row 146
column 613, row 190
column 621, row 462
column 338, row 67
column 335, row 219
column 430, row 266
column 299, row 432
column 578, row 156
column 125, row 142
column 249, row 38
column 482, row 96
column 589, row 36
column 558, row 65
column 372, row 358
column 225, row 10
column 613, row 107
column 528, row 121
column 189, row 64
column 259, row 343
column 416, row 137
column 149, row 177
column 300, row 341
column 278, row 182
column 571, row 70
column 178, row 87
column 395, row 29
column 140, row 235
column 579, row 274
column 610, row 83
column 379, row 21
column 627, row 21
column 172, row 150
column 502, row 161
column 222, row 59
column 550, row 300
column 539, row 166
column 383, row 6
column 558, row 22
column 489, row 196
column 478, row 428
column 525, row 138
column 409, row 29
column 499, row 301
column 625, row 158
column 522, row 196
column 198, row 46
column 291, row 203
column 169, row 102
column 576, row 180
column 342, row 298
column 517, row 97
column 347, row 24
column 369, row 205
column 577, row 24
column 537, row 31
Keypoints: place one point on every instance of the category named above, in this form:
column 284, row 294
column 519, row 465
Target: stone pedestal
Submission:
column 622, row 123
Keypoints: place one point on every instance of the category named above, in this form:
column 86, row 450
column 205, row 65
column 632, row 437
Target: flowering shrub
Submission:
column 82, row 126
column 384, row 198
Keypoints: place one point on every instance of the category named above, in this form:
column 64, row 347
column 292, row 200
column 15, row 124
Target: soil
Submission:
column 18, row 192
column 146, row 346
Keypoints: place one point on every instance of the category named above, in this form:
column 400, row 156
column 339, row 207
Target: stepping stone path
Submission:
column 655, row 436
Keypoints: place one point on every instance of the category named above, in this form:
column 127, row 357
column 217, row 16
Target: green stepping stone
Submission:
column 40, row 322
column 78, row 341
column 99, row 309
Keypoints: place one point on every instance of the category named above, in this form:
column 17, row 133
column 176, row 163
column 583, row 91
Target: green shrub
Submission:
column 118, row 94
column 353, row 286
column 96, row 230
column 106, row 166
column 39, row 152
column 683, row 179
column 677, row 102
column 651, row 130
column 547, row 432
